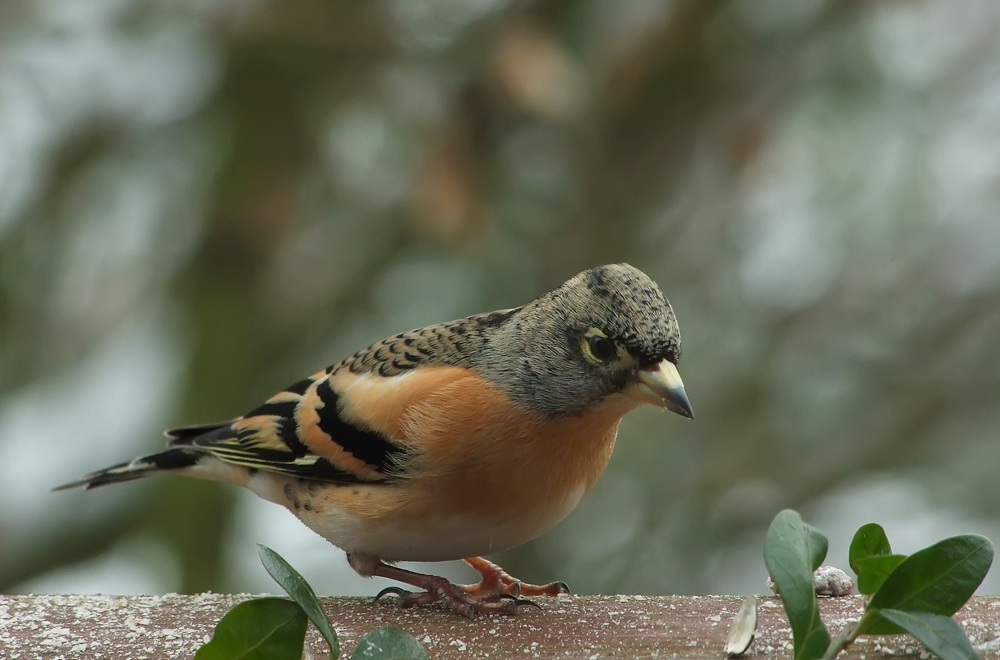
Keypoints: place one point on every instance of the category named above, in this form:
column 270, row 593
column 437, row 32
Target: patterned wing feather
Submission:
column 300, row 432
column 304, row 431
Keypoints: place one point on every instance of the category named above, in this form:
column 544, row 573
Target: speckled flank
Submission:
column 444, row 344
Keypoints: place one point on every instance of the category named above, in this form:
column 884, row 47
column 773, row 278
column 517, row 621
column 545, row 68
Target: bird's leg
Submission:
column 439, row 589
column 498, row 581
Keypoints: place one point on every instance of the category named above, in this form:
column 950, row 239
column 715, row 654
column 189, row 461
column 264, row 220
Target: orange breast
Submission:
column 484, row 456
column 488, row 475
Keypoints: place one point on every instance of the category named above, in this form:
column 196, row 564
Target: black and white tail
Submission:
column 178, row 456
column 171, row 460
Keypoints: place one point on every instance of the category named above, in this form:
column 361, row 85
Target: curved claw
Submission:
column 498, row 596
column 562, row 588
column 511, row 602
column 524, row 601
column 395, row 591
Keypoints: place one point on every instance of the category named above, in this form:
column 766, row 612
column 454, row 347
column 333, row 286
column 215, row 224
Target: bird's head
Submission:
column 608, row 331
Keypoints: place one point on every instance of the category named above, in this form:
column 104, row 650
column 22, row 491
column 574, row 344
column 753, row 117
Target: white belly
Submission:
column 442, row 538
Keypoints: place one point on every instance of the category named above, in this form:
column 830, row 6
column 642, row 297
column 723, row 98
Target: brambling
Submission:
column 451, row 441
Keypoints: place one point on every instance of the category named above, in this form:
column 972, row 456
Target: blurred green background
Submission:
column 201, row 201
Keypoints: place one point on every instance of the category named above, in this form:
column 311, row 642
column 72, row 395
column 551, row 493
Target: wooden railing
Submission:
column 592, row 627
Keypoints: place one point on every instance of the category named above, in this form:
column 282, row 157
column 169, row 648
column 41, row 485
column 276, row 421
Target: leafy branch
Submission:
column 914, row 594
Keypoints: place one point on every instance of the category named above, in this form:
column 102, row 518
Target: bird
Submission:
column 452, row 441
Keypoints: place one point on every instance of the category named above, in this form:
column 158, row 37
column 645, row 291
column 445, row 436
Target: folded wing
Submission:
column 302, row 432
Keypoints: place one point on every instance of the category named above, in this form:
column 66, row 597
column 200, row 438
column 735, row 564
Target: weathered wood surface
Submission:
column 173, row 626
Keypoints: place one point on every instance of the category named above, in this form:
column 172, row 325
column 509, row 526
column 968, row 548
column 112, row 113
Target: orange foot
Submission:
column 497, row 592
column 498, row 581
column 456, row 598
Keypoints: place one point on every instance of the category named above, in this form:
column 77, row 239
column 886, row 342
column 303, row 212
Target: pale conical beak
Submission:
column 661, row 386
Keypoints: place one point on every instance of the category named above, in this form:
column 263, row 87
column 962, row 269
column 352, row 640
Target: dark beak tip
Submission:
column 680, row 404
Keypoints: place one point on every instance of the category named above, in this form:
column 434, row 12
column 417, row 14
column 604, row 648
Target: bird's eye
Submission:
column 601, row 347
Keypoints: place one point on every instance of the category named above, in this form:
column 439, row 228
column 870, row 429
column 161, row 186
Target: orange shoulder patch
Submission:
column 379, row 402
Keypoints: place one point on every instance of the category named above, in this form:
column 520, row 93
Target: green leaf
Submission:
column 869, row 541
column 818, row 546
column 389, row 644
column 938, row 579
column 792, row 551
column 302, row 593
column 872, row 571
column 939, row 633
column 261, row 629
